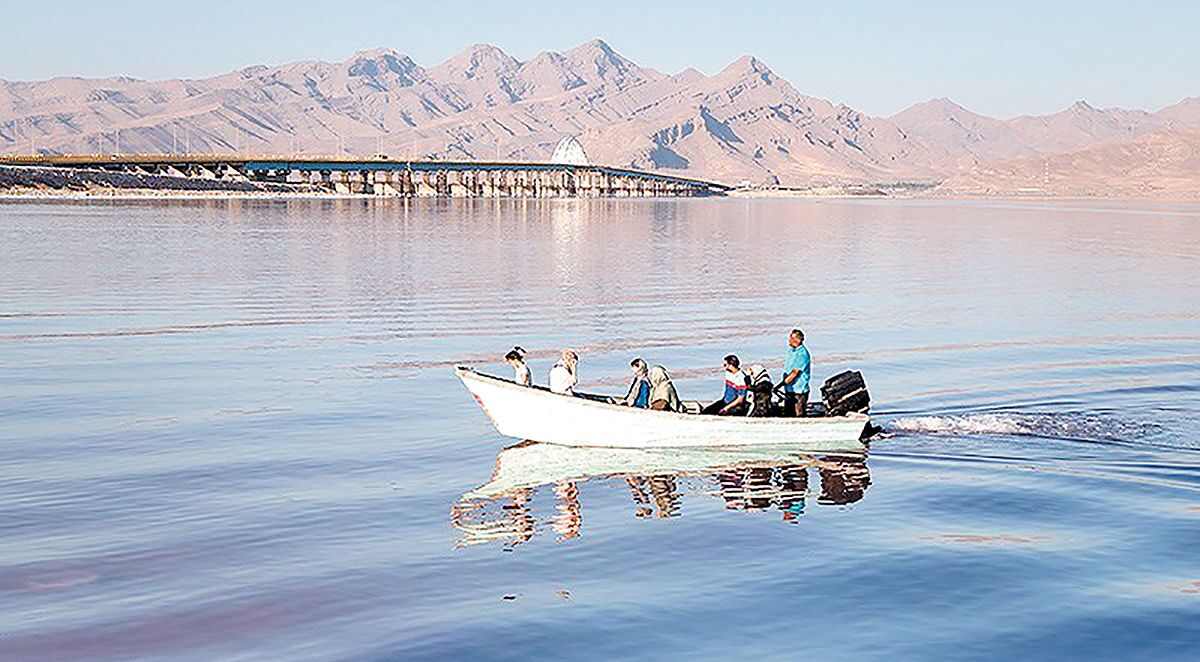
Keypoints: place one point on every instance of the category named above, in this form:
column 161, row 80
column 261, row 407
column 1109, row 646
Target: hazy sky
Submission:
column 1000, row 58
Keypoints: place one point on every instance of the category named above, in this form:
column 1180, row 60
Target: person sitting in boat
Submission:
column 563, row 376
column 639, row 388
column 733, row 402
column 516, row 358
column 796, row 369
column 760, row 391
column 663, row 396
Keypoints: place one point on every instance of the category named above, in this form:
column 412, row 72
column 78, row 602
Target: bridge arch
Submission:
column 569, row 152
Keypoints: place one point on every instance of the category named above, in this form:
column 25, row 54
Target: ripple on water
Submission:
column 201, row 457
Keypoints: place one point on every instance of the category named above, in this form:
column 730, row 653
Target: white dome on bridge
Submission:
column 569, row 152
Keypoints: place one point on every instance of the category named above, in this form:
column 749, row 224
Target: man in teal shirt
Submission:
column 796, row 368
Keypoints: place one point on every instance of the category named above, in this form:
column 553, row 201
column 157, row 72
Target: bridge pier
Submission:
column 382, row 183
column 422, row 186
column 457, row 186
column 341, row 182
column 204, row 173
column 277, row 176
column 620, row 187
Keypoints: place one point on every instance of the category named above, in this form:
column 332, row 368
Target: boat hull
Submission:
column 537, row 414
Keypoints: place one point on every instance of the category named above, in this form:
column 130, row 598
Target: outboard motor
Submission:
column 845, row 392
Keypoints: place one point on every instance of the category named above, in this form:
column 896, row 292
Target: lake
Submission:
column 231, row 430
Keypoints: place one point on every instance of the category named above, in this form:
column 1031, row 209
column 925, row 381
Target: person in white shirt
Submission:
column 563, row 376
column 516, row 359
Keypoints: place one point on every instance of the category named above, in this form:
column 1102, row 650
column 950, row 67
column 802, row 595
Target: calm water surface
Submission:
column 229, row 430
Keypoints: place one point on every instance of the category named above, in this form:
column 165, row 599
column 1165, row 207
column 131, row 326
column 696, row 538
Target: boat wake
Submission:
column 1069, row 426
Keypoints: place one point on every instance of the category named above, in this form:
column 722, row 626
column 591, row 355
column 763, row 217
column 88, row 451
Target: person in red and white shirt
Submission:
column 733, row 402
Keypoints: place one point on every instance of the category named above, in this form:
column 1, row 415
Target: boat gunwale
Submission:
column 463, row 372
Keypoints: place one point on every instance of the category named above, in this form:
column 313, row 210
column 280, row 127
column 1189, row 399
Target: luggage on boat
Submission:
column 845, row 392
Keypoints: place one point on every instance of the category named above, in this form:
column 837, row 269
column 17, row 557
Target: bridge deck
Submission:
column 275, row 163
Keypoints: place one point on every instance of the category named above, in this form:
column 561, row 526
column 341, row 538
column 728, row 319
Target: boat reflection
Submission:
column 748, row 479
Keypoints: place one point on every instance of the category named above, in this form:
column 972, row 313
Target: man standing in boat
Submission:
column 796, row 368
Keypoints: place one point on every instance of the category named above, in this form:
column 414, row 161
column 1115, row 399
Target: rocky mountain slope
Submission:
column 1163, row 164
column 741, row 123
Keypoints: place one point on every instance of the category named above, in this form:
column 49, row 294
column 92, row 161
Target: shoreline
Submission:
column 9, row 197
column 23, row 182
column 149, row 194
column 952, row 195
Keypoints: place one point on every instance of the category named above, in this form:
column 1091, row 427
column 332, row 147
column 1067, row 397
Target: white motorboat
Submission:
column 535, row 413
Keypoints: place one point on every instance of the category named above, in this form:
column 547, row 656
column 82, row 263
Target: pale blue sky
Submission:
column 1001, row 58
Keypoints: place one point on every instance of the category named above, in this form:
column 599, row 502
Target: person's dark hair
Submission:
column 515, row 354
column 636, row 362
column 732, row 360
column 799, row 334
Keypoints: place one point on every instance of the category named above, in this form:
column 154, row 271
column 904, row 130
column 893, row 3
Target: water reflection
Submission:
column 748, row 479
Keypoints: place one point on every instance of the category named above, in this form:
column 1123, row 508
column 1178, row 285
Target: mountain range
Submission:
column 743, row 123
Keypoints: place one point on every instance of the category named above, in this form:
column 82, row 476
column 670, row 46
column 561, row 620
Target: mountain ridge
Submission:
column 742, row 123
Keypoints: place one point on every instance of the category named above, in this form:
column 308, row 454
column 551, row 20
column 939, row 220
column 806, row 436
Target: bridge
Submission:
column 383, row 176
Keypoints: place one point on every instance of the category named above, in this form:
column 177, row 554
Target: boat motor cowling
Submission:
column 845, row 392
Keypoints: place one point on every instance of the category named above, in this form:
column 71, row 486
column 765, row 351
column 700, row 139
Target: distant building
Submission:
column 569, row 152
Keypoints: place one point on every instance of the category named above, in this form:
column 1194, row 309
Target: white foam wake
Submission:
column 1051, row 426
